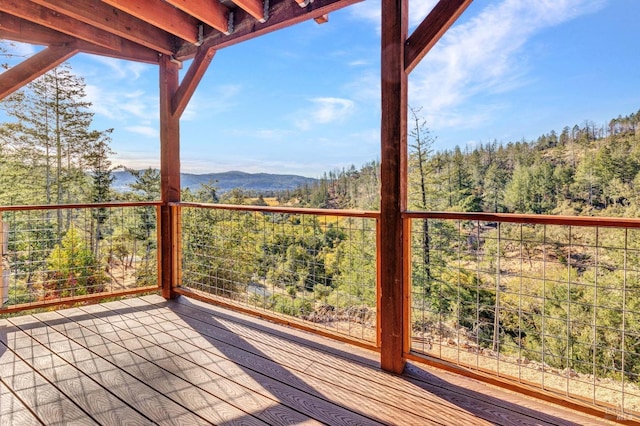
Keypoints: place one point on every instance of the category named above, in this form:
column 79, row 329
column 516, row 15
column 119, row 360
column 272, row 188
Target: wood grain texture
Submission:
column 149, row 360
column 388, row 391
column 393, row 184
column 32, row 68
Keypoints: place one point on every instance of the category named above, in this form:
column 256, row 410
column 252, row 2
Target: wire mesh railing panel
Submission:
column 319, row 269
column 553, row 306
column 66, row 253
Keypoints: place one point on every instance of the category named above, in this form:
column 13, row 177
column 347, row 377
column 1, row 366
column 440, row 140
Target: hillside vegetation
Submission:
column 580, row 170
column 559, row 297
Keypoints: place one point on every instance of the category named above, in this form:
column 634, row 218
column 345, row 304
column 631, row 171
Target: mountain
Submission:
column 226, row 181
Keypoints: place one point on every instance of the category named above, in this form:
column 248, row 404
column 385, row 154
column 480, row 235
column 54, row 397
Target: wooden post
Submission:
column 393, row 172
column 169, row 173
column 3, row 290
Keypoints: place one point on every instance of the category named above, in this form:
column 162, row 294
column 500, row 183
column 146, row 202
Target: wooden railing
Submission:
column 545, row 302
column 312, row 267
column 65, row 254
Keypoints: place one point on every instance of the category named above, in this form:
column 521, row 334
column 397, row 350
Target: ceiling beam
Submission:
column 17, row 29
column 254, row 8
column 128, row 51
column 162, row 15
column 48, row 18
column 211, row 12
column 110, row 19
column 28, row 70
column 437, row 22
column 191, row 80
column 282, row 14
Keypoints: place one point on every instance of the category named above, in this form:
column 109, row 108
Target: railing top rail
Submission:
column 611, row 222
column 80, row 206
column 286, row 210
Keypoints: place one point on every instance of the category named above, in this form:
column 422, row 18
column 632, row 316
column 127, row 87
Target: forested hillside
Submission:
column 581, row 170
column 556, row 295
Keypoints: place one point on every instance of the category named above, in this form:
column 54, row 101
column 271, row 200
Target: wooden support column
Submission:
column 393, row 172
column 169, row 174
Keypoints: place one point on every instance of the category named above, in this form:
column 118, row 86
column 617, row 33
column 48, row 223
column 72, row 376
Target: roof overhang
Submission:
column 142, row 30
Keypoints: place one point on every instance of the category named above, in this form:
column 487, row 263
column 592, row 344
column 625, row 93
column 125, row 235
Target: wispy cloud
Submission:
column 324, row 111
column 121, row 104
column 148, row 131
column 119, row 69
column 485, row 55
column 216, row 100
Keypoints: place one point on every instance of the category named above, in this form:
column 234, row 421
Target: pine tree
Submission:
column 51, row 135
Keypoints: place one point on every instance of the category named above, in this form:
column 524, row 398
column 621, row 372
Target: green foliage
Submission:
column 73, row 270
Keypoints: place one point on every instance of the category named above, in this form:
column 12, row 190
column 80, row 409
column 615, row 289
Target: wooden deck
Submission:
column 145, row 361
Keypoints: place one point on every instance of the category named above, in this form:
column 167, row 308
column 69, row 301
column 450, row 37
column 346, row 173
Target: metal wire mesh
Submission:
column 54, row 254
column 320, row 269
column 554, row 306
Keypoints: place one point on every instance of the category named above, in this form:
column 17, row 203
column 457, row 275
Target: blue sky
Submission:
column 306, row 99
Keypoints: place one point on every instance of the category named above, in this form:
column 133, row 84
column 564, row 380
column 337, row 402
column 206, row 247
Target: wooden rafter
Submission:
column 211, row 12
column 162, row 15
column 191, row 80
column 17, row 29
column 110, row 19
column 30, row 69
column 439, row 20
column 254, row 8
column 282, row 13
column 45, row 17
column 128, row 51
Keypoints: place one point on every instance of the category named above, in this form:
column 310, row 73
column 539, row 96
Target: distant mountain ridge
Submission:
column 226, row 181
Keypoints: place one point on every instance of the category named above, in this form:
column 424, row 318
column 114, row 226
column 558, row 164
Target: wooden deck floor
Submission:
column 146, row 361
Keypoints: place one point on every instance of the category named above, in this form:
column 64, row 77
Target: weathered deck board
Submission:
column 461, row 392
column 145, row 360
column 13, row 411
column 357, row 392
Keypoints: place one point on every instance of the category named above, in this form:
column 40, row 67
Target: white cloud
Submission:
column 485, row 55
column 324, row 111
column 215, row 101
column 331, row 109
column 149, row 131
column 119, row 104
column 121, row 69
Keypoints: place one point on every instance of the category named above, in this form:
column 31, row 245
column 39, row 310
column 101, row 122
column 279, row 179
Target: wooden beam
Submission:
column 191, row 80
column 17, row 29
column 393, row 174
column 16, row 77
column 282, row 14
column 128, row 51
column 211, row 12
column 162, row 15
column 169, row 172
column 48, row 18
column 254, row 8
column 110, row 19
column 437, row 22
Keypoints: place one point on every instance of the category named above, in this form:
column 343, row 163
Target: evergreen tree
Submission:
column 51, row 138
